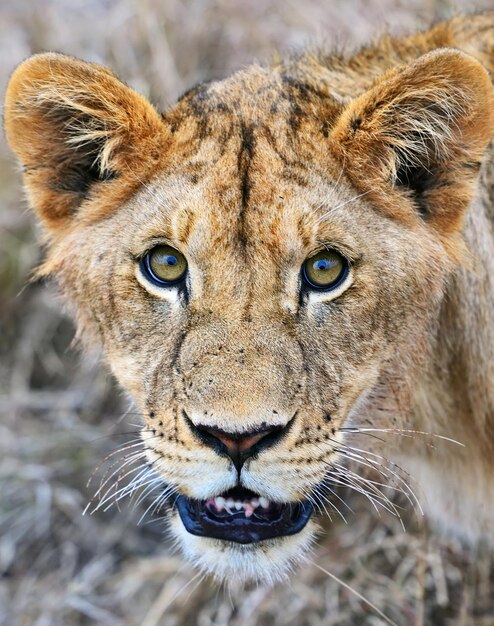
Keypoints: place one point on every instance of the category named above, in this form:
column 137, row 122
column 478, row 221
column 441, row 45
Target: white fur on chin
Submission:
column 235, row 564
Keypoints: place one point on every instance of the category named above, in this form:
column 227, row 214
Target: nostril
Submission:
column 243, row 442
column 239, row 446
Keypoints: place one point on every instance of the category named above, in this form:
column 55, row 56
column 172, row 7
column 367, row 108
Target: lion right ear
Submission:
column 80, row 134
column 419, row 135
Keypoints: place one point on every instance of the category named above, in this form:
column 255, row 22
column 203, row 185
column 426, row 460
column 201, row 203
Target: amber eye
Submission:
column 163, row 265
column 325, row 270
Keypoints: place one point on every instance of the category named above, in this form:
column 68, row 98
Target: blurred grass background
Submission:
column 60, row 415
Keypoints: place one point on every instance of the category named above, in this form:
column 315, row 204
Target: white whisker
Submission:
column 342, row 204
column 400, row 431
column 356, row 593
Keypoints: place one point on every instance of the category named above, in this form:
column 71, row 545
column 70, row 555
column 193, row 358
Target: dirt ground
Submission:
column 61, row 415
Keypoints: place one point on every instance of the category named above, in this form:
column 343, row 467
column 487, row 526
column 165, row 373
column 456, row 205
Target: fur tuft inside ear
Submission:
column 421, row 132
column 75, row 127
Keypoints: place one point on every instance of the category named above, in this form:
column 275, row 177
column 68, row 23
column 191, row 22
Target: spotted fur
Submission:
column 383, row 155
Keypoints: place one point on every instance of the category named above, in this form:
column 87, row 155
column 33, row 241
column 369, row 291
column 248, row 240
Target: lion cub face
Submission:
column 262, row 265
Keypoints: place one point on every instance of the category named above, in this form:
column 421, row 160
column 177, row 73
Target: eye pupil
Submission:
column 325, row 270
column 163, row 265
column 322, row 264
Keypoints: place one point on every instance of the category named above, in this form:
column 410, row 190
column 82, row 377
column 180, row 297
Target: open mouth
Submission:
column 242, row 516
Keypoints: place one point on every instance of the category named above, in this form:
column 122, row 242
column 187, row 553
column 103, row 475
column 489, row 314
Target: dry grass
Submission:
column 61, row 416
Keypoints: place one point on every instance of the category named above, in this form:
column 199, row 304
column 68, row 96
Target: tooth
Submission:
column 255, row 503
column 219, row 503
column 230, row 503
column 264, row 502
column 238, row 505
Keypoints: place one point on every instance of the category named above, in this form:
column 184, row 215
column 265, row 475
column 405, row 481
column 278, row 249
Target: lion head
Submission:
column 262, row 265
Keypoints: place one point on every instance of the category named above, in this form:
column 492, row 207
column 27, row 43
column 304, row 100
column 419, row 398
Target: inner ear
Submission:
column 419, row 179
column 76, row 128
column 419, row 135
column 77, row 167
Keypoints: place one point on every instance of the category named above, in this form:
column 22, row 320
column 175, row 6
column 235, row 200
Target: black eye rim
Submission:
column 335, row 284
column 145, row 266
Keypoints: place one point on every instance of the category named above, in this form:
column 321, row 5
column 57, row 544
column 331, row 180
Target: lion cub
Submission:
column 282, row 264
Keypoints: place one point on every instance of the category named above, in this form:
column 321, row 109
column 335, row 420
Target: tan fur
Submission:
column 384, row 156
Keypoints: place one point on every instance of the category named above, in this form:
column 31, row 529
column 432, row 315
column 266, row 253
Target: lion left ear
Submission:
column 420, row 132
column 80, row 134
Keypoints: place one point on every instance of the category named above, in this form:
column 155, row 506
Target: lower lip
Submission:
column 287, row 519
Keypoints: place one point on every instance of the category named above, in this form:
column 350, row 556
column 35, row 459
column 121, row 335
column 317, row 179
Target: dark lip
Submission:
column 280, row 520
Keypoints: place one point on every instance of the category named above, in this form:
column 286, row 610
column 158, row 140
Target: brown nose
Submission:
column 239, row 446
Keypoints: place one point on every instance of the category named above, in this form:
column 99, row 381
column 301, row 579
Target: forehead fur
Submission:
column 261, row 117
column 258, row 95
column 249, row 155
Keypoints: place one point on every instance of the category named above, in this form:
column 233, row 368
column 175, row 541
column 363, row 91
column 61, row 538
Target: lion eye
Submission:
column 163, row 265
column 325, row 270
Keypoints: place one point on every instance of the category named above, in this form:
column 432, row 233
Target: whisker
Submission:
column 128, row 459
column 163, row 603
column 137, row 481
column 399, row 431
column 408, row 492
column 319, row 495
column 127, row 445
column 355, row 592
column 146, row 480
column 356, row 454
column 156, row 503
column 154, row 194
column 315, row 499
column 123, row 434
column 334, row 187
column 370, row 490
column 160, row 500
column 151, row 485
column 157, row 477
column 97, row 468
column 342, row 468
column 366, row 486
column 376, row 501
column 113, row 492
column 342, row 204
column 97, row 494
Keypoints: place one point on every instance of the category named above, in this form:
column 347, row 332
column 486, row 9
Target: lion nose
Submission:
column 239, row 446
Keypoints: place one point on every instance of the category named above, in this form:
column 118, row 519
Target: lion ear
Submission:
column 421, row 132
column 76, row 129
